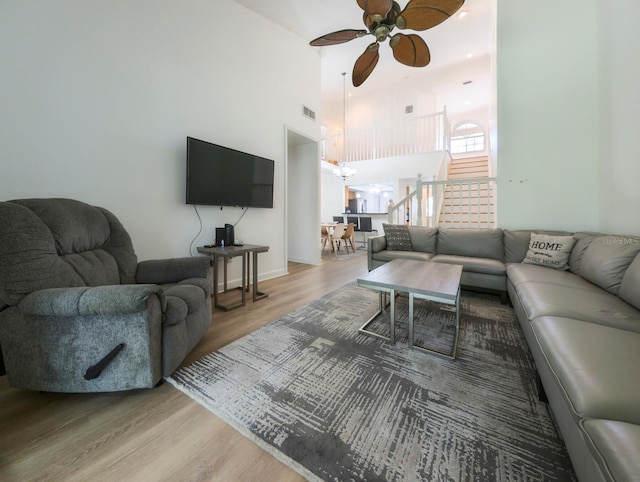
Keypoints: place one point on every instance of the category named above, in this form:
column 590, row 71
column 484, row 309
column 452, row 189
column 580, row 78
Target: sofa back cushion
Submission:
column 423, row 239
column 476, row 243
column 58, row 243
column 516, row 242
column 606, row 260
column 630, row 286
column 583, row 240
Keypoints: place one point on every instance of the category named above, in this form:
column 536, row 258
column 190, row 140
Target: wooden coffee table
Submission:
column 437, row 282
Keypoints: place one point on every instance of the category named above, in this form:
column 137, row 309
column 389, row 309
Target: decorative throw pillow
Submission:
column 398, row 238
column 550, row 251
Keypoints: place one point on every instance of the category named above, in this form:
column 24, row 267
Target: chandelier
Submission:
column 343, row 171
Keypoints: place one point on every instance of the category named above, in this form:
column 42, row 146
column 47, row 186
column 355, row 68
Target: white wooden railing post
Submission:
column 419, row 198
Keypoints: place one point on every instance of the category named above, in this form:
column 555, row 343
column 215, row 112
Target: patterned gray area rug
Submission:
column 339, row 405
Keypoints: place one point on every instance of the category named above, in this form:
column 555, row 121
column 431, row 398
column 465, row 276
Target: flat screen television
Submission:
column 220, row 176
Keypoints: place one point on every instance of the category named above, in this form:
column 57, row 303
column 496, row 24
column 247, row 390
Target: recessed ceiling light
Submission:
column 469, row 55
column 463, row 13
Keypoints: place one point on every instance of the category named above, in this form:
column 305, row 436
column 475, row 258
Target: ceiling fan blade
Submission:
column 365, row 64
column 424, row 14
column 376, row 9
column 339, row 37
column 410, row 50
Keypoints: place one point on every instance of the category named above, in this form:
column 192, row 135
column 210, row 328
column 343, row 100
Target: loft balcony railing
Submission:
column 428, row 133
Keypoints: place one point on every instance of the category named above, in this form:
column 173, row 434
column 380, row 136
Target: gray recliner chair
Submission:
column 78, row 313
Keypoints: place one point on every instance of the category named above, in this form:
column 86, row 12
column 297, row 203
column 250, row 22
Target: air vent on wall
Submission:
column 308, row 113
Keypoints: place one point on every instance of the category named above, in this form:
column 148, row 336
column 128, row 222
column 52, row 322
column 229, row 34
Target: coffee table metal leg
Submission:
column 452, row 354
column 392, row 313
column 381, row 308
column 411, row 321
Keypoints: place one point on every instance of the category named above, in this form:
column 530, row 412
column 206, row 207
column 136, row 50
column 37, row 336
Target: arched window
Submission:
column 467, row 137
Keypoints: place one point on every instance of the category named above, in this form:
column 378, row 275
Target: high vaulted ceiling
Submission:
column 460, row 50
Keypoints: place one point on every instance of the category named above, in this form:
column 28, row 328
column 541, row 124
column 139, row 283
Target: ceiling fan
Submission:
column 381, row 17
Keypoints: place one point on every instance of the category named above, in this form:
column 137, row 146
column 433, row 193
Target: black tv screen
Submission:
column 221, row 176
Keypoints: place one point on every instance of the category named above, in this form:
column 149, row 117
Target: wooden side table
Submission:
column 224, row 253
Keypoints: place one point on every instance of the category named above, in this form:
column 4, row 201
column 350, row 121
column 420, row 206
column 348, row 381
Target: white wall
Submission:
column 548, row 114
column 619, row 114
column 378, row 108
column 98, row 99
column 567, row 115
column 332, row 195
column 303, row 202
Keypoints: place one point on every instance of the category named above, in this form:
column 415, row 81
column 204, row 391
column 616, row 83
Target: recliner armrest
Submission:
column 83, row 301
column 172, row 270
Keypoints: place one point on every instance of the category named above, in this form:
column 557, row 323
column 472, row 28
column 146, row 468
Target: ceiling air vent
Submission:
column 308, row 113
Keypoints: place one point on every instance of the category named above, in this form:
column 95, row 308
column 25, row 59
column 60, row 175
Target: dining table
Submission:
column 329, row 227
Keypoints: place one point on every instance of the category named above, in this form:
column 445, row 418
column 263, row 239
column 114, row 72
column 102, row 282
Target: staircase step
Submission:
column 469, row 168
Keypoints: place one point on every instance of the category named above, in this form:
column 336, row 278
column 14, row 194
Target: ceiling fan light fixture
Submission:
column 380, row 18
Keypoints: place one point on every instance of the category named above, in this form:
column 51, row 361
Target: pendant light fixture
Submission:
column 343, row 171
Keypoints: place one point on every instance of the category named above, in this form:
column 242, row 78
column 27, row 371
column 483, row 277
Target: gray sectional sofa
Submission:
column 582, row 325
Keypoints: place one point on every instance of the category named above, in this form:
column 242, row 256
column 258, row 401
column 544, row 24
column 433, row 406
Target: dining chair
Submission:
column 336, row 235
column 347, row 238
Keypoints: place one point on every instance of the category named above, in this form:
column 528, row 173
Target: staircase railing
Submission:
column 429, row 133
column 469, row 203
column 472, row 203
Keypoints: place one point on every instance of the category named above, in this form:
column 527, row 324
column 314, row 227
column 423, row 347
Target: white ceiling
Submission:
column 460, row 50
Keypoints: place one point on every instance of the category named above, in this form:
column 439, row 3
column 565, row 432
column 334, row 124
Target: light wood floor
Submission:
column 158, row 434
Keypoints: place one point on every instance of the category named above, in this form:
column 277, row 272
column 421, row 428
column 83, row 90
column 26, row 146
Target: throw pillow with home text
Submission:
column 549, row 251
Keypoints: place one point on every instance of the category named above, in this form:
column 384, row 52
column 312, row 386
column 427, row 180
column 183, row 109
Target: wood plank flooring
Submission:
column 159, row 434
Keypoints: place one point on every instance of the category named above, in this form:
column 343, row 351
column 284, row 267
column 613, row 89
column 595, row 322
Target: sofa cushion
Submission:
column 523, row 273
column 583, row 240
column 615, row 447
column 388, row 255
column 593, row 305
column 473, row 265
column 423, row 239
column 398, row 238
column 475, row 243
column 630, row 286
column 606, row 260
column 549, row 251
column 598, row 381
column 516, row 242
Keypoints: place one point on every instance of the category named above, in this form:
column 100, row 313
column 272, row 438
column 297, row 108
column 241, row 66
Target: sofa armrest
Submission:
column 172, row 270
column 377, row 243
column 86, row 301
